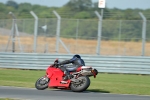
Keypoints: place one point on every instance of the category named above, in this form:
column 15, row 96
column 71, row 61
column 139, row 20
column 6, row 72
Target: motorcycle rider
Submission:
column 76, row 62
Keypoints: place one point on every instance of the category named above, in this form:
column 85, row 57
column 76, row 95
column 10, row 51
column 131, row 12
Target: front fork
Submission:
column 46, row 78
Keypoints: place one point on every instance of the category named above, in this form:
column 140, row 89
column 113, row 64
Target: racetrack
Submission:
column 33, row 94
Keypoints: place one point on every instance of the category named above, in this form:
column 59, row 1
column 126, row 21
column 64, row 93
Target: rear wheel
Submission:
column 82, row 85
column 42, row 83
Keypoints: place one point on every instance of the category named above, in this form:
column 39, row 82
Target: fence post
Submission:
column 120, row 28
column 143, row 33
column 77, row 33
column 13, row 31
column 35, row 30
column 99, row 30
column 57, row 30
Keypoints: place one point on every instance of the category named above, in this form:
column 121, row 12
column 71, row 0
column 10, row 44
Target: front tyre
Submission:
column 42, row 83
column 82, row 85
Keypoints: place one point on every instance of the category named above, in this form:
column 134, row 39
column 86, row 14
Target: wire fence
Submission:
column 119, row 37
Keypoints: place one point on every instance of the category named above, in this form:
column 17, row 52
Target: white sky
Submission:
column 121, row 4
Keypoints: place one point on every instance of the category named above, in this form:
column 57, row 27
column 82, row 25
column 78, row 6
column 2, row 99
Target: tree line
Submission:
column 76, row 9
column 125, row 25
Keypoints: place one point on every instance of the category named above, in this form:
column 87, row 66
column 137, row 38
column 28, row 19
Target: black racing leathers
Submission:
column 76, row 62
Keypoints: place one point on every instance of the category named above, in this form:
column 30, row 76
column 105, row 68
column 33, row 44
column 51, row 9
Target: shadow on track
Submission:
column 98, row 90
column 87, row 91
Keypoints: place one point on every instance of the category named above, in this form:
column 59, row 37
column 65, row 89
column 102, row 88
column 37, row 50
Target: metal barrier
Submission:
column 108, row 64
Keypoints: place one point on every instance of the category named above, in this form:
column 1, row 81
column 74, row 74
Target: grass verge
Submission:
column 7, row 99
column 104, row 83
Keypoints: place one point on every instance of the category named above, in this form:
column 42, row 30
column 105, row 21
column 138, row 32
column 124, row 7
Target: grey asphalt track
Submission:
column 48, row 94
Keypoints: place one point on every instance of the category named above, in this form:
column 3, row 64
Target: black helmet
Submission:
column 78, row 56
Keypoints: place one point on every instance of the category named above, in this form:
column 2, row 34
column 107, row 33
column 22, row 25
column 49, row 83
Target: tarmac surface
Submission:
column 49, row 94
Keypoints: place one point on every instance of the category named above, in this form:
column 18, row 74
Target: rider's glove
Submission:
column 57, row 65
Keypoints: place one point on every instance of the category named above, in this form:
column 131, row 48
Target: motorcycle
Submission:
column 54, row 78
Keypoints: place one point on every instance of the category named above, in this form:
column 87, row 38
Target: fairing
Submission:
column 55, row 75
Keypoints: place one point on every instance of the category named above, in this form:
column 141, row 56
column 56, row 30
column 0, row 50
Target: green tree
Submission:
column 82, row 15
column 24, row 10
column 25, row 7
column 2, row 9
column 12, row 3
column 79, row 5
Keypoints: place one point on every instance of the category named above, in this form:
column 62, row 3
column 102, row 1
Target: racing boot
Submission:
column 67, row 76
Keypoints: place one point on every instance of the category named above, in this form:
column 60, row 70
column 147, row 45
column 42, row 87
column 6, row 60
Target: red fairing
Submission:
column 55, row 75
column 78, row 69
column 49, row 71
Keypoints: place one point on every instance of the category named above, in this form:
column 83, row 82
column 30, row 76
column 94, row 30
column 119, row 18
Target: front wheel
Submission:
column 82, row 85
column 42, row 83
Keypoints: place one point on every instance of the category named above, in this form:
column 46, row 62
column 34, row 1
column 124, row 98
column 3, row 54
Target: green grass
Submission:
column 7, row 99
column 104, row 83
column 121, row 83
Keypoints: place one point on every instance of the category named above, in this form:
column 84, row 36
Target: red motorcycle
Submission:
column 54, row 78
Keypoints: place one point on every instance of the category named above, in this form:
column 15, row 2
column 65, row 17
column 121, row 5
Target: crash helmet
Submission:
column 78, row 56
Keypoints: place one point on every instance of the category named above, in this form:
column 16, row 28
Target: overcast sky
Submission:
column 122, row 4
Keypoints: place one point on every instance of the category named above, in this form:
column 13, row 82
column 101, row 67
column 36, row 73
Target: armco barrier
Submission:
column 108, row 64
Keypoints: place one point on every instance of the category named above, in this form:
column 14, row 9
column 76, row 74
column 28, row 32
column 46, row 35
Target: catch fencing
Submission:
column 119, row 37
column 106, row 64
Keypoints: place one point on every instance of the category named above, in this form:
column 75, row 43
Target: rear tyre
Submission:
column 42, row 83
column 82, row 85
